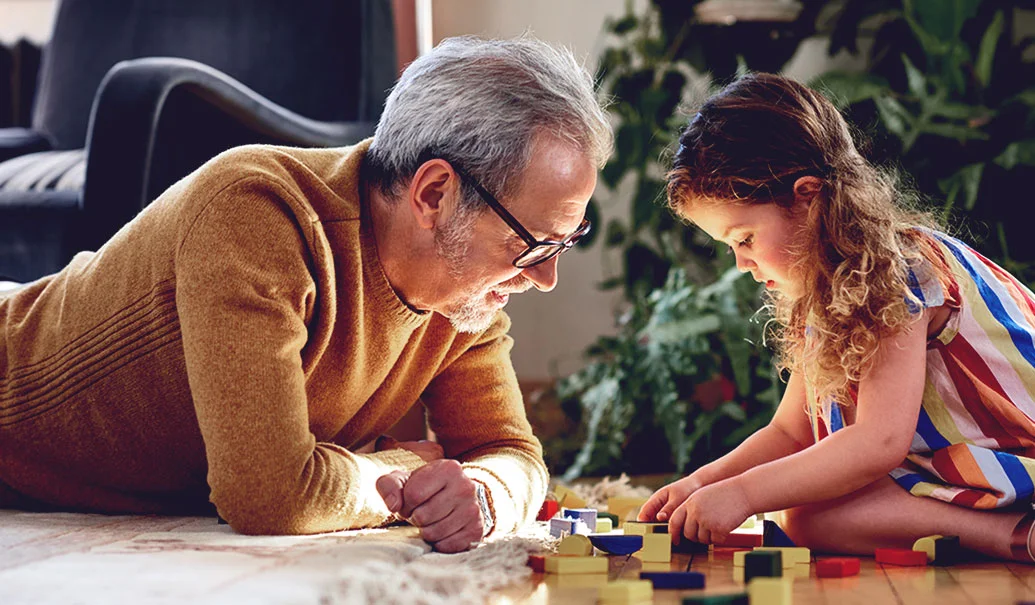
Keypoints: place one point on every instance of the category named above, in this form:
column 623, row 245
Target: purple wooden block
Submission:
column 617, row 544
column 674, row 579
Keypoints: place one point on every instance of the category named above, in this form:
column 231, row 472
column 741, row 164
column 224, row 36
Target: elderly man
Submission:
column 247, row 337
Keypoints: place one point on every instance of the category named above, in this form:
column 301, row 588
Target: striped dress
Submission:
column 974, row 443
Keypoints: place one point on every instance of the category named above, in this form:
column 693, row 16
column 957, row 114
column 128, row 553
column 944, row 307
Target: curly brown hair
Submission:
column 749, row 144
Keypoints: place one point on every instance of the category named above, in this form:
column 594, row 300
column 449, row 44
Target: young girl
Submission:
column 909, row 407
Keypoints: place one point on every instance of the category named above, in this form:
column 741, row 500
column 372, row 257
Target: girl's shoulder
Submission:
column 929, row 274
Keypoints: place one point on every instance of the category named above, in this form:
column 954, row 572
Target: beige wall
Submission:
column 26, row 19
column 550, row 330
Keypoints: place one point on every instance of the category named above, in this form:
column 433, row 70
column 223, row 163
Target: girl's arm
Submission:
column 889, row 400
column 787, row 433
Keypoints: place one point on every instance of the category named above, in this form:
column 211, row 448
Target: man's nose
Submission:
column 543, row 275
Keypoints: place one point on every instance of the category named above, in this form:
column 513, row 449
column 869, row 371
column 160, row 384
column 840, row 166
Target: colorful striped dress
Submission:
column 975, row 436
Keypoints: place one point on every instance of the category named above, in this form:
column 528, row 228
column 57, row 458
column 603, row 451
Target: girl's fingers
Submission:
column 675, row 524
column 653, row 504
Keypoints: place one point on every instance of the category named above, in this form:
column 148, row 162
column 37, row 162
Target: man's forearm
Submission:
column 515, row 480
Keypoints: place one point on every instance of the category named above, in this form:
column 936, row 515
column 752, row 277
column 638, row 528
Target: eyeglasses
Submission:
column 538, row 251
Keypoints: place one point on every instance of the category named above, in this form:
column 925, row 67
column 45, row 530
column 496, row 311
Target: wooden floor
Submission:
column 86, row 559
column 984, row 583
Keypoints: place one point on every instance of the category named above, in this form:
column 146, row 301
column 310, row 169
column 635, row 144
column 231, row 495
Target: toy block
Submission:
column 657, row 548
column 772, row 535
column 737, row 540
column 575, row 544
column 748, row 523
column 568, row 498
column 837, row 567
column 900, row 556
column 770, row 591
column 762, row 564
column 537, row 563
column 616, row 544
column 689, row 547
column 576, row 580
column 674, row 579
column 733, row 598
column 791, row 555
column 640, row 528
column 620, row 507
column 606, row 515
column 566, row 527
column 604, row 525
column 586, row 515
column 548, row 510
column 626, row 591
column 567, row 564
column 940, row 550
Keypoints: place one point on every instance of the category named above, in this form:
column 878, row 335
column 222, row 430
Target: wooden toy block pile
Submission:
column 588, row 537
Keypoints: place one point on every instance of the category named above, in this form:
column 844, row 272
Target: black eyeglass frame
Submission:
column 557, row 247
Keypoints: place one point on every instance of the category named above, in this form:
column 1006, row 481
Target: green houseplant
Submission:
column 948, row 96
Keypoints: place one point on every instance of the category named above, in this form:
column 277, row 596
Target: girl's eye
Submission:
column 746, row 241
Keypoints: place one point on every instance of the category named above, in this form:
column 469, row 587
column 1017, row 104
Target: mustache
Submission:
column 515, row 286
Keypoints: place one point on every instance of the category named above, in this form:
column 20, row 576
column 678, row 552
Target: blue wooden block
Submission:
column 772, row 535
column 674, row 579
column 617, row 544
column 586, row 515
column 567, row 527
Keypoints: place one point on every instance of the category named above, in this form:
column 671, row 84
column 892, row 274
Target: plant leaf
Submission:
column 1017, row 153
column 986, row 50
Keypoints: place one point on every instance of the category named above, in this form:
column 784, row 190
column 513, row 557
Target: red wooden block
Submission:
column 537, row 563
column 837, row 567
column 548, row 510
column 900, row 556
column 741, row 541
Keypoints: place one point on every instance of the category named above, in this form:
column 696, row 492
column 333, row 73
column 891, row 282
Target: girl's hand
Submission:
column 660, row 505
column 710, row 513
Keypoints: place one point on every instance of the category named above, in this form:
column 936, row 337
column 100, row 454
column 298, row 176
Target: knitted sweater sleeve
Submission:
column 243, row 294
column 477, row 413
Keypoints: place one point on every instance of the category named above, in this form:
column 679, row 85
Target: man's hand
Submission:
column 427, row 450
column 439, row 499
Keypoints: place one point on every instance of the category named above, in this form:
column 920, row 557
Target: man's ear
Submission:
column 806, row 188
column 432, row 193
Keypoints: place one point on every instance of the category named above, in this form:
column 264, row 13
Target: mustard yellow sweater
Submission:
column 232, row 344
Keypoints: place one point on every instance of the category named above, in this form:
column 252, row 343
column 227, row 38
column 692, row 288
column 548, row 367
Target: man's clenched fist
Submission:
column 439, row 499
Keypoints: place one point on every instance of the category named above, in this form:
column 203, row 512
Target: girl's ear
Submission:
column 806, row 188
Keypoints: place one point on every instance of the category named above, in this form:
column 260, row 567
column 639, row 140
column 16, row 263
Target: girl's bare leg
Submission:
column 884, row 515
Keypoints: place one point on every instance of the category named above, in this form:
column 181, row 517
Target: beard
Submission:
column 477, row 309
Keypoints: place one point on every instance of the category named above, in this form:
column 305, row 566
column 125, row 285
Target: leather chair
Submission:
column 135, row 94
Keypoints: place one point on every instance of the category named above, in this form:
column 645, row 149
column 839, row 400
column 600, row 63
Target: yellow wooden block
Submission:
column 791, row 555
column 621, row 507
column 575, row 545
column 657, row 548
column 748, row 524
column 926, row 545
column 636, row 528
column 568, row 498
column 626, row 591
column 564, row 564
column 770, row 591
column 603, row 525
column 584, row 580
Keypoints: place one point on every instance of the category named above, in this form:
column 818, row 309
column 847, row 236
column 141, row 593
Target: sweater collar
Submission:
column 373, row 272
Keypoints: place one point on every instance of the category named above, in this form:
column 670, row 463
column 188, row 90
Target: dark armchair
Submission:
column 135, row 94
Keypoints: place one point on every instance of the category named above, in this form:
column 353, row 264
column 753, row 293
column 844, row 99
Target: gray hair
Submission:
column 481, row 104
